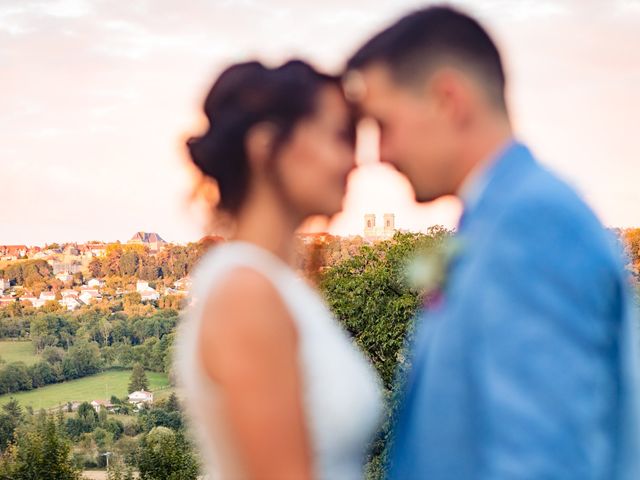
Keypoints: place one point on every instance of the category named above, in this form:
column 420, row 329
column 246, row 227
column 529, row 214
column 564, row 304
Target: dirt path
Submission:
column 94, row 475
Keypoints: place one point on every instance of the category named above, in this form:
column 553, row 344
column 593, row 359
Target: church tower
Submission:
column 389, row 224
column 369, row 225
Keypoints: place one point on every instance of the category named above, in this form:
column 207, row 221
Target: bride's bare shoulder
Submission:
column 244, row 317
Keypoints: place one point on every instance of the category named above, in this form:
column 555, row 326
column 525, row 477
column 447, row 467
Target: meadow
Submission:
column 95, row 387
column 17, row 351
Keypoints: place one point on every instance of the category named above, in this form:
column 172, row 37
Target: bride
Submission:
column 273, row 387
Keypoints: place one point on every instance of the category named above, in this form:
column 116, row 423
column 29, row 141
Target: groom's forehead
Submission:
column 369, row 87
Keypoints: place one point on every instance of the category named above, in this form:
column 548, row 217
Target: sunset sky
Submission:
column 97, row 97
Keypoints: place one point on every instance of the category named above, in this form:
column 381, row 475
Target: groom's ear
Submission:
column 259, row 145
column 450, row 93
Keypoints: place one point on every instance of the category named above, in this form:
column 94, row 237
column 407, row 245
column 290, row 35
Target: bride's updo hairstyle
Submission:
column 245, row 95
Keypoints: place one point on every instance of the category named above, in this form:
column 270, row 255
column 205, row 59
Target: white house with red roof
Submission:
column 12, row 252
column 6, row 300
column 47, row 296
column 90, row 295
column 140, row 397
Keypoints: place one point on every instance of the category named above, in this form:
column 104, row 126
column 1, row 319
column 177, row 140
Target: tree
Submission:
column 15, row 377
column 41, row 452
column 95, row 267
column 53, row 355
column 131, row 300
column 86, row 421
column 631, row 238
column 129, row 263
column 119, row 471
column 171, row 404
column 42, row 373
column 138, row 380
column 10, row 418
column 52, row 306
column 166, row 455
column 369, row 294
column 81, row 360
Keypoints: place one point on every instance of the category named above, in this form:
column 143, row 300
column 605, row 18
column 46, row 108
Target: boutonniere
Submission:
column 427, row 270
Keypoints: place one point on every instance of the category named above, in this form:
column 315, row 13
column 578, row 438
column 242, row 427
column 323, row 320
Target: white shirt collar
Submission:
column 474, row 184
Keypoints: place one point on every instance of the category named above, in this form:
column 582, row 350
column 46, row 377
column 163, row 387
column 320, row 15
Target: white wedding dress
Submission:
column 341, row 391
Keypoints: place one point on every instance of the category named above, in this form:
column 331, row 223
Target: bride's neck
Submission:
column 265, row 222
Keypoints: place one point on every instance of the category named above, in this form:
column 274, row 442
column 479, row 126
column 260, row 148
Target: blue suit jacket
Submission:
column 527, row 369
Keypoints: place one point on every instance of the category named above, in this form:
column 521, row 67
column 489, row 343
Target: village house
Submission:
column 6, row 300
column 70, row 303
column 141, row 397
column 69, row 292
column 34, row 301
column 100, row 404
column 92, row 249
column 94, row 282
column 47, row 296
column 314, row 238
column 4, row 284
column 173, row 291
column 64, row 277
column 71, row 250
column 142, row 285
column 41, row 255
column 31, row 251
column 90, row 295
column 30, row 299
column 153, row 241
column 182, row 284
column 149, row 295
column 12, row 252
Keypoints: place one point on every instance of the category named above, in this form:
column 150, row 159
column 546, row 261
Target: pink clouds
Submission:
column 98, row 96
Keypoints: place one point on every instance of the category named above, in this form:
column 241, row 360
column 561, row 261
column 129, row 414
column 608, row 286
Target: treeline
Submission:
column 74, row 345
column 57, row 365
column 173, row 262
column 27, row 272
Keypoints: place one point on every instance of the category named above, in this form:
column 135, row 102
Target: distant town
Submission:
column 69, row 262
column 75, row 273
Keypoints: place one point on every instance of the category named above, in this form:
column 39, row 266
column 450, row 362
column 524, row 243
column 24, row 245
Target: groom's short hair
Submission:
column 424, row 40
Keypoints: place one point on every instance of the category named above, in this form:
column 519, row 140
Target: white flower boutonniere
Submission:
column 427, row 270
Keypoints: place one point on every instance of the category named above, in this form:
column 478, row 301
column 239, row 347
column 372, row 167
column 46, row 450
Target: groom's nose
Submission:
column 384, row 152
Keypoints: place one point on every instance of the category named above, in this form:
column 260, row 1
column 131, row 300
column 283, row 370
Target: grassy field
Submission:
column 11, row 351
column 94, row 387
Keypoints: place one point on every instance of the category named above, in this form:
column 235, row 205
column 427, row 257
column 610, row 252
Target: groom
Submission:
column 526, row 368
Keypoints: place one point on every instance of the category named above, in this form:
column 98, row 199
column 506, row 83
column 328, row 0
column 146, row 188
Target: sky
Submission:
column 98, row 96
